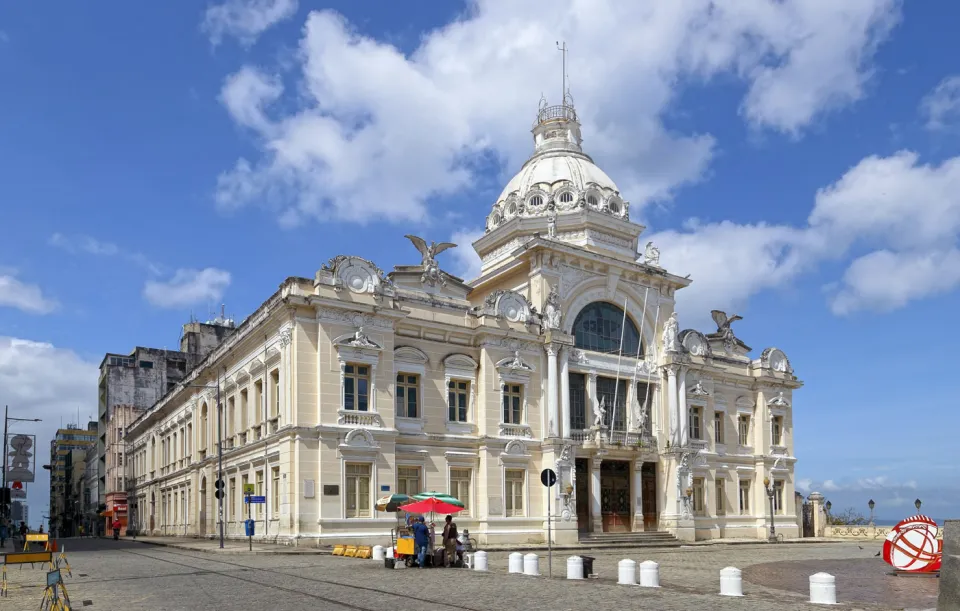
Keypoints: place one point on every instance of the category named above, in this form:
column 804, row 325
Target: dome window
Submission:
column 592, row 200
column 615, row 207
column 512, row 209
column 566, row 197
column 536, row 201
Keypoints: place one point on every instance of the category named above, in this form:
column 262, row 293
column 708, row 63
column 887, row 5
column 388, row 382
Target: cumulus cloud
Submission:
column 941, row 107
column 245, row 20
column 466, row 261
column 29, row 298
column 84, row 244
column 376, row 133
column 31, row 391
column 188, row 287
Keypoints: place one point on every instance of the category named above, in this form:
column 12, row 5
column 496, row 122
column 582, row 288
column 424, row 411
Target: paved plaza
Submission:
column 124, row 575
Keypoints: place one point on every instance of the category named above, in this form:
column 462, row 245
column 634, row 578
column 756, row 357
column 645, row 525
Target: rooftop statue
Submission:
column 431, row 269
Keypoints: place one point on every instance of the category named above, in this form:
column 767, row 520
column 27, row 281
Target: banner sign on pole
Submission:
column 20, row 463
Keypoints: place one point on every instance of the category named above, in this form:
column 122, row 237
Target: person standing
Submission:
column 4, row 533
column 421, row 541
column 449, row 541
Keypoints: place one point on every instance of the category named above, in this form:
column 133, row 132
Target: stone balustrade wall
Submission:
column 864, row 533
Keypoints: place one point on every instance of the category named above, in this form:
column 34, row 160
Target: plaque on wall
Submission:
column 496, row 505
column 308, row 488
column 331, row 490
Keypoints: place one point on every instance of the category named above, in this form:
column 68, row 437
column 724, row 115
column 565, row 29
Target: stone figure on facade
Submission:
column 699, row 390
column 360, row 339
column 599, row 411
column 651, row 255
column 723, row 327
column 551, row 220
column 670, row 330
column 431, row 269
column 517, row 361
column 551, row 311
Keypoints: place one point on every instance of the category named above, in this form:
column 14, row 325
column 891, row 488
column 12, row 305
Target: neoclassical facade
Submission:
column 564, row 353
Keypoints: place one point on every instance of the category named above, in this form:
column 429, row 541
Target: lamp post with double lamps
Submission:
column 772, row 538
column 4, row 509
column 871, row 505
column 219, row 483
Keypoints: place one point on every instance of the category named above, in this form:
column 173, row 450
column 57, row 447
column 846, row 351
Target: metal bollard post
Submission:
column 649, row 574
column 823, row 589
column 575, row 567
column 627, row 572
column 480, row 561
column 516, row 562
column 731, row 582
column 531, row 565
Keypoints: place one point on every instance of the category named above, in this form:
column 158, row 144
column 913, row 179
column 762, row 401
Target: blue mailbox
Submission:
column 249, row 524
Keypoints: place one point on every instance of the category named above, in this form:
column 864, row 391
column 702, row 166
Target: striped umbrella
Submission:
column 391, row 502
column 439, row 496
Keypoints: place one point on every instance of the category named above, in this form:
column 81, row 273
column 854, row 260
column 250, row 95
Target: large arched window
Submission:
column 598, row 328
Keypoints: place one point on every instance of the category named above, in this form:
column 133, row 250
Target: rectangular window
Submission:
column 777, row 431
column 231, row 498
column 274, row 393
column 458, row 400
column 699, row 497
column 358, row 490
column 275, row 490
column 231, row 416
column 257, row 401
column 407, row 395
column 745, row 497
column 695, row 422
column 778, row 496
column 460, row 484
column 743, row 429
column 244, row 407
column 718, row 427
column 408, row 480
column 512, row 404
column 578, row 401
column 356, row 387
column 119, row 459
column 513, row 484
column 609, row 391
column 146, row 364
column 721, row 496
column 259, row 491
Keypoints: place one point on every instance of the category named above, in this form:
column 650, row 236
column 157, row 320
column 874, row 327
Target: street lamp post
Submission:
column 871, row 505
column 917, row 504
column 6, row 418
column 773, row 529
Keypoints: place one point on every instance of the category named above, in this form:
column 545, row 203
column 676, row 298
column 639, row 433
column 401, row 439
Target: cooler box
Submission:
column 405, row 546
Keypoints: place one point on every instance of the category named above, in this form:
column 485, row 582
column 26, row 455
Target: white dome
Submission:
column 559, row 177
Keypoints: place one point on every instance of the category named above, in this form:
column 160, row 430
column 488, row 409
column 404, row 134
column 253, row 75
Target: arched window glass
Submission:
column 598, row 328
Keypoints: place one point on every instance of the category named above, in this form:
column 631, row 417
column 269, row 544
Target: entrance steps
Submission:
column 629, row 539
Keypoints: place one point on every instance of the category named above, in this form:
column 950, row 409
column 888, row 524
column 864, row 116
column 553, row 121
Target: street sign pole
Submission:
column 548, row 477
column 249, row 516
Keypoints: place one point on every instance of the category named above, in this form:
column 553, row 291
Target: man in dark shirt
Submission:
column 421, row 540
column 450, row 542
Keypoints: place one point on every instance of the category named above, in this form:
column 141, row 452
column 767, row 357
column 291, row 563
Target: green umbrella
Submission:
column 391, row 502
column 440, row 496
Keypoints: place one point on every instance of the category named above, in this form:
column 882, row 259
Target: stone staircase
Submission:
column 629, row 539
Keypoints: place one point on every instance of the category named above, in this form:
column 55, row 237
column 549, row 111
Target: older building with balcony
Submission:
column 564, row 353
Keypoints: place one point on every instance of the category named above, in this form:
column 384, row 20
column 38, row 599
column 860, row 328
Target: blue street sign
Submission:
column 255, row 499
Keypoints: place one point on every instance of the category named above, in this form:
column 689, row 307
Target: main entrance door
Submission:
column 583, row 495
column 648, row 480
column 615, row 495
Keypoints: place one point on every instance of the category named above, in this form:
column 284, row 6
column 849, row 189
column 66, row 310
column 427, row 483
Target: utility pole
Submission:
column 6, row 419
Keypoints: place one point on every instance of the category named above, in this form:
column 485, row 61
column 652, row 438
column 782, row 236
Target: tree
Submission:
column 847, row 517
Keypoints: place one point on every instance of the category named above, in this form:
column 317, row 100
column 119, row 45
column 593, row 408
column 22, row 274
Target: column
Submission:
column 672, row 403
column 595, row 516
column 553, row 415
column 565, row 393
column 684, row 415
column 638, row 496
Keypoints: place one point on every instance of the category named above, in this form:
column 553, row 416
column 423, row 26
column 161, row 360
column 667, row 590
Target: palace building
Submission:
column 565, row 353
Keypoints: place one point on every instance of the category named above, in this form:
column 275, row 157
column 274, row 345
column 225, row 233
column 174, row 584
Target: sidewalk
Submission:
column 230, row 546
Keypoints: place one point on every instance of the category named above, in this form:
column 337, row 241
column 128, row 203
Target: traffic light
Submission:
column 218, row 494
column 219, row 485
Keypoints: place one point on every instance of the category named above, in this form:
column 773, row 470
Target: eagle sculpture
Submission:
column 431, row 269
column 723, row 323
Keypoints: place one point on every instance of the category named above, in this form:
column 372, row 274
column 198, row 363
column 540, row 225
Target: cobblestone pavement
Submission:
column 128, row 575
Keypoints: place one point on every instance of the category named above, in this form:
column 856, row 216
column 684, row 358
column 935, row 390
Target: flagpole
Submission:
column 656, row 357
column 643, row 318
column 616, row 386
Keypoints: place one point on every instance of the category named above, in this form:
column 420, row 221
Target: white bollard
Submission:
column 389, row 552
column 823, row 589
column 480, row 561
column 574, row 567
column 731, row 582
column 627, row 572
column 531, row 565
column 378, row 552
column 649, row 574
column 516, row 562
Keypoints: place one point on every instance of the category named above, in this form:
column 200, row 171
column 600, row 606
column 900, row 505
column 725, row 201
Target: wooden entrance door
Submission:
column 583, row 494
column 615, row 495
column 648, row 479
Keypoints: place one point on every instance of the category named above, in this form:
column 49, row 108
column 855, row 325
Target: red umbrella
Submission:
column 429, row 505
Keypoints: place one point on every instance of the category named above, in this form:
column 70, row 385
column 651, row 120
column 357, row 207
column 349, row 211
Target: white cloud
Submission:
column 886, row 281
column 466, row 261
column 830, row 486
column 379, row 134
column 188, row 287
column 39, row 380
column 85, row 244
column 803, row 484
column 29, row 298
column 245, row 19
column 941, row 107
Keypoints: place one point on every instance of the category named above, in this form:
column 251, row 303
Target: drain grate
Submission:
column 87, row 603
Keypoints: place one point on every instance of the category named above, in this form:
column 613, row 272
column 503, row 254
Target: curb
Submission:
column 234, row 552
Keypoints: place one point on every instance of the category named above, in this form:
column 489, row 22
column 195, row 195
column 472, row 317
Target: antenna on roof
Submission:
column 563, row 50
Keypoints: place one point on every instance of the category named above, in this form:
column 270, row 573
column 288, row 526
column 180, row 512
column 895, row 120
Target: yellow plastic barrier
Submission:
column 339, row 549
column 351, row 551
column 364, row 551
column 22, row 558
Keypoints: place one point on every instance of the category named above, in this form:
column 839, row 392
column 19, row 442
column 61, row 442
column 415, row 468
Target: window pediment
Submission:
column 409, row 354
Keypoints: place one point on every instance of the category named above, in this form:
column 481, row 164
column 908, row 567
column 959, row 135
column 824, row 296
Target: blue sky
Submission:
column 801, row 161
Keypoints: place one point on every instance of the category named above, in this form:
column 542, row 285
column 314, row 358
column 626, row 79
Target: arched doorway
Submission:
column 203, row 507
